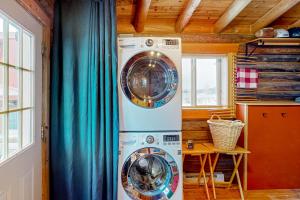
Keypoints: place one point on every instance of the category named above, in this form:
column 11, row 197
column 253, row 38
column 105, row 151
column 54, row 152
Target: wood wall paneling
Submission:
column 209, row 48
column 278, row 74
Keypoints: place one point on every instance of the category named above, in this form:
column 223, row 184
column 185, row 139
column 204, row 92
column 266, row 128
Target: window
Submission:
column 16, row 88
column 205, row 81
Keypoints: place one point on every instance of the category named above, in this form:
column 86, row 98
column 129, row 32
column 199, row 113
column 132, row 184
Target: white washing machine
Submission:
column 149, row 72
column 150, row 166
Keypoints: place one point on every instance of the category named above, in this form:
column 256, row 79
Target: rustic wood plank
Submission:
column 186, row 15
column 212, row 48
column 35, row 10
column 141, row 13
column 195, row 125
column 295, row 24
column 282, row 7
column 45, row 113
column 279, row 77
column 196, row 136
column 272, row 86
column 234, row 10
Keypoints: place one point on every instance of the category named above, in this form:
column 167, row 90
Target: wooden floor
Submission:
column 233, row 194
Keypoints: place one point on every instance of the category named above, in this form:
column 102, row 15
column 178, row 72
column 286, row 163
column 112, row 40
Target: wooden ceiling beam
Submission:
column 141, row 13
column 34, row 9
column 186, row 15
column 282, row 7
column 234, row 10
column 295, row 24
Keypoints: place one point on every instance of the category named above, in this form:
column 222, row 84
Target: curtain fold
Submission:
column 84, row 107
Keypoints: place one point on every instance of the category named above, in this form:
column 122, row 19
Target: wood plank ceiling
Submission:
column 207, row 16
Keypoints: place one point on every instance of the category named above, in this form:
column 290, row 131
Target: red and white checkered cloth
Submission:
column 247, row 78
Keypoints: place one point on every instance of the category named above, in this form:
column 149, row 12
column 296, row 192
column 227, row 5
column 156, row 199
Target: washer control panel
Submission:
column 150, row 139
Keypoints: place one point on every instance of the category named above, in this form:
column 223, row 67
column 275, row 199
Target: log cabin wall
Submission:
column 278, row 73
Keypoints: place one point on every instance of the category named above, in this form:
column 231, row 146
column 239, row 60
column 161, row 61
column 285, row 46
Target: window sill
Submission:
column 199, row 113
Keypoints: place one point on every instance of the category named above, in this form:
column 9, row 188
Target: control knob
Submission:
column 150, row 139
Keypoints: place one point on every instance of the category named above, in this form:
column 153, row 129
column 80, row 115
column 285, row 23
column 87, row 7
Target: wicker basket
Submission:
column 225, row 133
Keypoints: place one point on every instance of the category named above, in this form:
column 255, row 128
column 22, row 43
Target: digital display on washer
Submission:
column 171, row 138
column 172, row 42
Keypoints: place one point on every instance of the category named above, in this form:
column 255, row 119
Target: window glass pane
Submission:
column 186, row 81
column 2, row 129
column 13, row 90
column 27, row 89
column 13, row 132
column 206, row 71
column 14, row 42
column 2, row 88
column 27, row 128
column 27, row 51
column 1, row 40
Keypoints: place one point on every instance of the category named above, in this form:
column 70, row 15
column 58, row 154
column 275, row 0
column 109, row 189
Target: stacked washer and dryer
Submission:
column 150, row 158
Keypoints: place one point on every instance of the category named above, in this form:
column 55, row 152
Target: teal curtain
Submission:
column 84, row 107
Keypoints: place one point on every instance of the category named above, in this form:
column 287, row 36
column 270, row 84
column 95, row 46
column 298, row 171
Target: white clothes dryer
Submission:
column 150, row 166
column 149, row 74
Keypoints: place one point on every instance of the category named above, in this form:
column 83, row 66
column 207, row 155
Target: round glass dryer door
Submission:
column 149, row 79
column 150, row 173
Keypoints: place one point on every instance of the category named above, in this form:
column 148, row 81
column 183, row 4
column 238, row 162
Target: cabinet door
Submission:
column 274, row 142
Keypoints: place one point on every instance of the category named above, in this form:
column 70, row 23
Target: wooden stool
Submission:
column 199, row 150
column 237, row 152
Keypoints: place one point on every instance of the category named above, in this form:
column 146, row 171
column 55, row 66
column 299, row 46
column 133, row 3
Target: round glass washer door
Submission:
column 149, row 79
column 150, row 173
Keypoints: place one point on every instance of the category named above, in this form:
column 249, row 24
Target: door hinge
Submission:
column 44, row 129
column 44, row 48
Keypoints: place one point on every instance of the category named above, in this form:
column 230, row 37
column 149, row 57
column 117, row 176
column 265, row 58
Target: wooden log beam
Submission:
column 282, row 7
column 186, row 15
column 141, row 13
column 234, row 10
column 295, row 24
column 35, row 10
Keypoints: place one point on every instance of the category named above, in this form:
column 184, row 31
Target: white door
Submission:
column 20, row 103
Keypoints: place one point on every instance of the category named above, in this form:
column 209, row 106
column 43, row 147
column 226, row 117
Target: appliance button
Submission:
column 149, row 42
column 150, row 139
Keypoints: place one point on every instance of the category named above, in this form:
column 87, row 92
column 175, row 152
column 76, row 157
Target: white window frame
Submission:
column 221, row 92
column 20, row 108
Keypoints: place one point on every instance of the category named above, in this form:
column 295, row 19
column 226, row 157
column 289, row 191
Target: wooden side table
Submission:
column 237, row 155
column 203, row 152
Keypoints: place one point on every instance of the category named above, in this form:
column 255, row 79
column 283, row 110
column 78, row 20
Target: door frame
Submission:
column 39, row 14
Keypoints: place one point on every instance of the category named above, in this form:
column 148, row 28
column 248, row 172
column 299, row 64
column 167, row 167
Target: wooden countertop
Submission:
column 270, row 103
